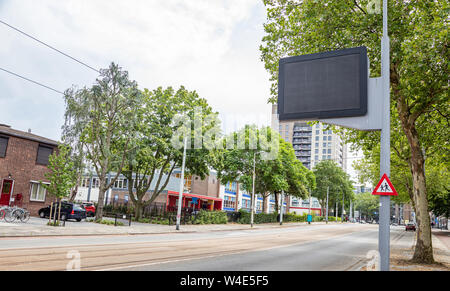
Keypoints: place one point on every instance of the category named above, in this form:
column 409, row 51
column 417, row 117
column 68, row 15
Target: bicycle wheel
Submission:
column 25, row 216
column 10, row 216
column 2, row 214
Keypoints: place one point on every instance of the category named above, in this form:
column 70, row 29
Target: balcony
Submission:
column 301, row 141
column 299, row 128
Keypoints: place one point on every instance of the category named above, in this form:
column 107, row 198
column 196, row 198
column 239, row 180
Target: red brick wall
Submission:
column 20, row 162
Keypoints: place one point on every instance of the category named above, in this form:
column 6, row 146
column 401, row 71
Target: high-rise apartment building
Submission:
column 312, row 144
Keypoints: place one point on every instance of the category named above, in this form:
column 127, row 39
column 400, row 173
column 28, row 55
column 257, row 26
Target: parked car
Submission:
column 410, row 226
column 89, row 207
column 68, row 211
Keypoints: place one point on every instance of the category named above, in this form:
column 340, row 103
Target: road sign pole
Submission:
column 253, row 192
column 385, row 145
column 180, row 196
column 326, row 215
column 281, row 211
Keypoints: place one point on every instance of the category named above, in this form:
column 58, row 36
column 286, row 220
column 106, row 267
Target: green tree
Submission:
column 419, row 72
column 154, row 158
column 367, row 204
column 330, row 176
column 103, row 118
column 281, row 171
column 62, row 175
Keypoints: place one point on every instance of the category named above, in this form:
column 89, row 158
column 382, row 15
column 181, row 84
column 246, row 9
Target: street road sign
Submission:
column 384, row 187
column 323, row 85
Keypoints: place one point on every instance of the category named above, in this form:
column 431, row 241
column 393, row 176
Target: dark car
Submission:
column 89, row 207
column 68, row 211
column 410, row 226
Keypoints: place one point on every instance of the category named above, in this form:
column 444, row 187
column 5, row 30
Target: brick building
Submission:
column 23, row 164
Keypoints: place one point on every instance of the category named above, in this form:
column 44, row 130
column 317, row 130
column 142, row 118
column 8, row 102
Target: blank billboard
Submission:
column 323, row 85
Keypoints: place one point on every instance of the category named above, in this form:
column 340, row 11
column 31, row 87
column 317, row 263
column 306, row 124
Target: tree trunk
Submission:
column 138, row 210
column 101, row 199
column 423, row 252
column 424, row 249
column 276, row 203
column 59, row 211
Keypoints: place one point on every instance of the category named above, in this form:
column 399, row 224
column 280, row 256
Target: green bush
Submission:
column 245, row 217
column 210, row 217
column 105, row 221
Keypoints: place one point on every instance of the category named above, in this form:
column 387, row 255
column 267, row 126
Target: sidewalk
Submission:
column 401, row 255
column 37, row 227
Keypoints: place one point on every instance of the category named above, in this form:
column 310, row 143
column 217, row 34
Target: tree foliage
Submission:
column 103, row 118
column 419, row 42
column 331, row 177
column 154, row 158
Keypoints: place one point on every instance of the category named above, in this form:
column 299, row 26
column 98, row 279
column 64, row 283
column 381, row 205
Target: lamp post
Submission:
column 180, row 196
column 253, row 192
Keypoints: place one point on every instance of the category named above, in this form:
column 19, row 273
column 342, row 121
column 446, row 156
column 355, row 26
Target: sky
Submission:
column 210, row 46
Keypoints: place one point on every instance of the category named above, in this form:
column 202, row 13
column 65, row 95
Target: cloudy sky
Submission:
column 207, row 46
column 211, row 46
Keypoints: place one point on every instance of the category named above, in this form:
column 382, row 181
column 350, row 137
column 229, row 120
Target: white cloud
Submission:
column 210, row 46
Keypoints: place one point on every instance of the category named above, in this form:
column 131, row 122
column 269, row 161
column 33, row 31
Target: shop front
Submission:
column 193, row 202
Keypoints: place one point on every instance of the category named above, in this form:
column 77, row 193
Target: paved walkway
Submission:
column 37, row 227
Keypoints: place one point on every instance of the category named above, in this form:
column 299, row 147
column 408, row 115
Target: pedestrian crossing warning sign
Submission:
column 384, row 187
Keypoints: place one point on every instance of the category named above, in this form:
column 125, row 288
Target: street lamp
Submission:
column 180, row 195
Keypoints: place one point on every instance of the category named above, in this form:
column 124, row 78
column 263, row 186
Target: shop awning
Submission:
column 173, row 193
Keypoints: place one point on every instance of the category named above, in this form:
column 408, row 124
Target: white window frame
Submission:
column 38, row 185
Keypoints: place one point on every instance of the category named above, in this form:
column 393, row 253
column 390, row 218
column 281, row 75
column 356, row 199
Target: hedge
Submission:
column 211, row 217
column 273, row 217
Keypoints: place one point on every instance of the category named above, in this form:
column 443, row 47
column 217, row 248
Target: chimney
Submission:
column 29, row 130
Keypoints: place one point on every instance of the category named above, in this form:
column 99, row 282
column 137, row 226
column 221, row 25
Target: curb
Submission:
column 32, row 234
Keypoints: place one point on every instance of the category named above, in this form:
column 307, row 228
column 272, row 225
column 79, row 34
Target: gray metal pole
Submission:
column 253, row 192
column 336, row 214
column 90, row 188
column 326, row 214
column 281, row 208
column 342, row 214
column 384, row 216
column 180, row 196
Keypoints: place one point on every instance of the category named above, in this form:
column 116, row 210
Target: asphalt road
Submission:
column 307, row 247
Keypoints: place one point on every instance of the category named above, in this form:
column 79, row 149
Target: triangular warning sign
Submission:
column 384, row 187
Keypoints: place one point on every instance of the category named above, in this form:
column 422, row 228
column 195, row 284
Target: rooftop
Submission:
column 7, row 130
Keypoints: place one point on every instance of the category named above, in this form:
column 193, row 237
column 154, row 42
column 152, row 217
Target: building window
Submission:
column 43, row 154
column 324, row 151
column 317, row 144
column 187, row 182
column 317, row 138
column 38, row 192
column 324, row 157
column 324, row 138
column 229, row 202
column 118, row 184
column 84, row 182
column 329, row 137
column 329, row 151
column 317, row 132
column 316, row 158
column 95, row 183
column 3, row 146
column 329, row 157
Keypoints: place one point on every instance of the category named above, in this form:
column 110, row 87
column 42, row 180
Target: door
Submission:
column 6, row 192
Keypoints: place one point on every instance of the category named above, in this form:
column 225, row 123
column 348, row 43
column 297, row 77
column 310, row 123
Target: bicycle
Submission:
column 16, row 213
column 2, row 213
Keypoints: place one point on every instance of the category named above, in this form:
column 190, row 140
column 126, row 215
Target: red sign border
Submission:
column 375, row 191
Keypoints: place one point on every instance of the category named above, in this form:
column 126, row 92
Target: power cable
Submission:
column 32, row 81
column 49, row 46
